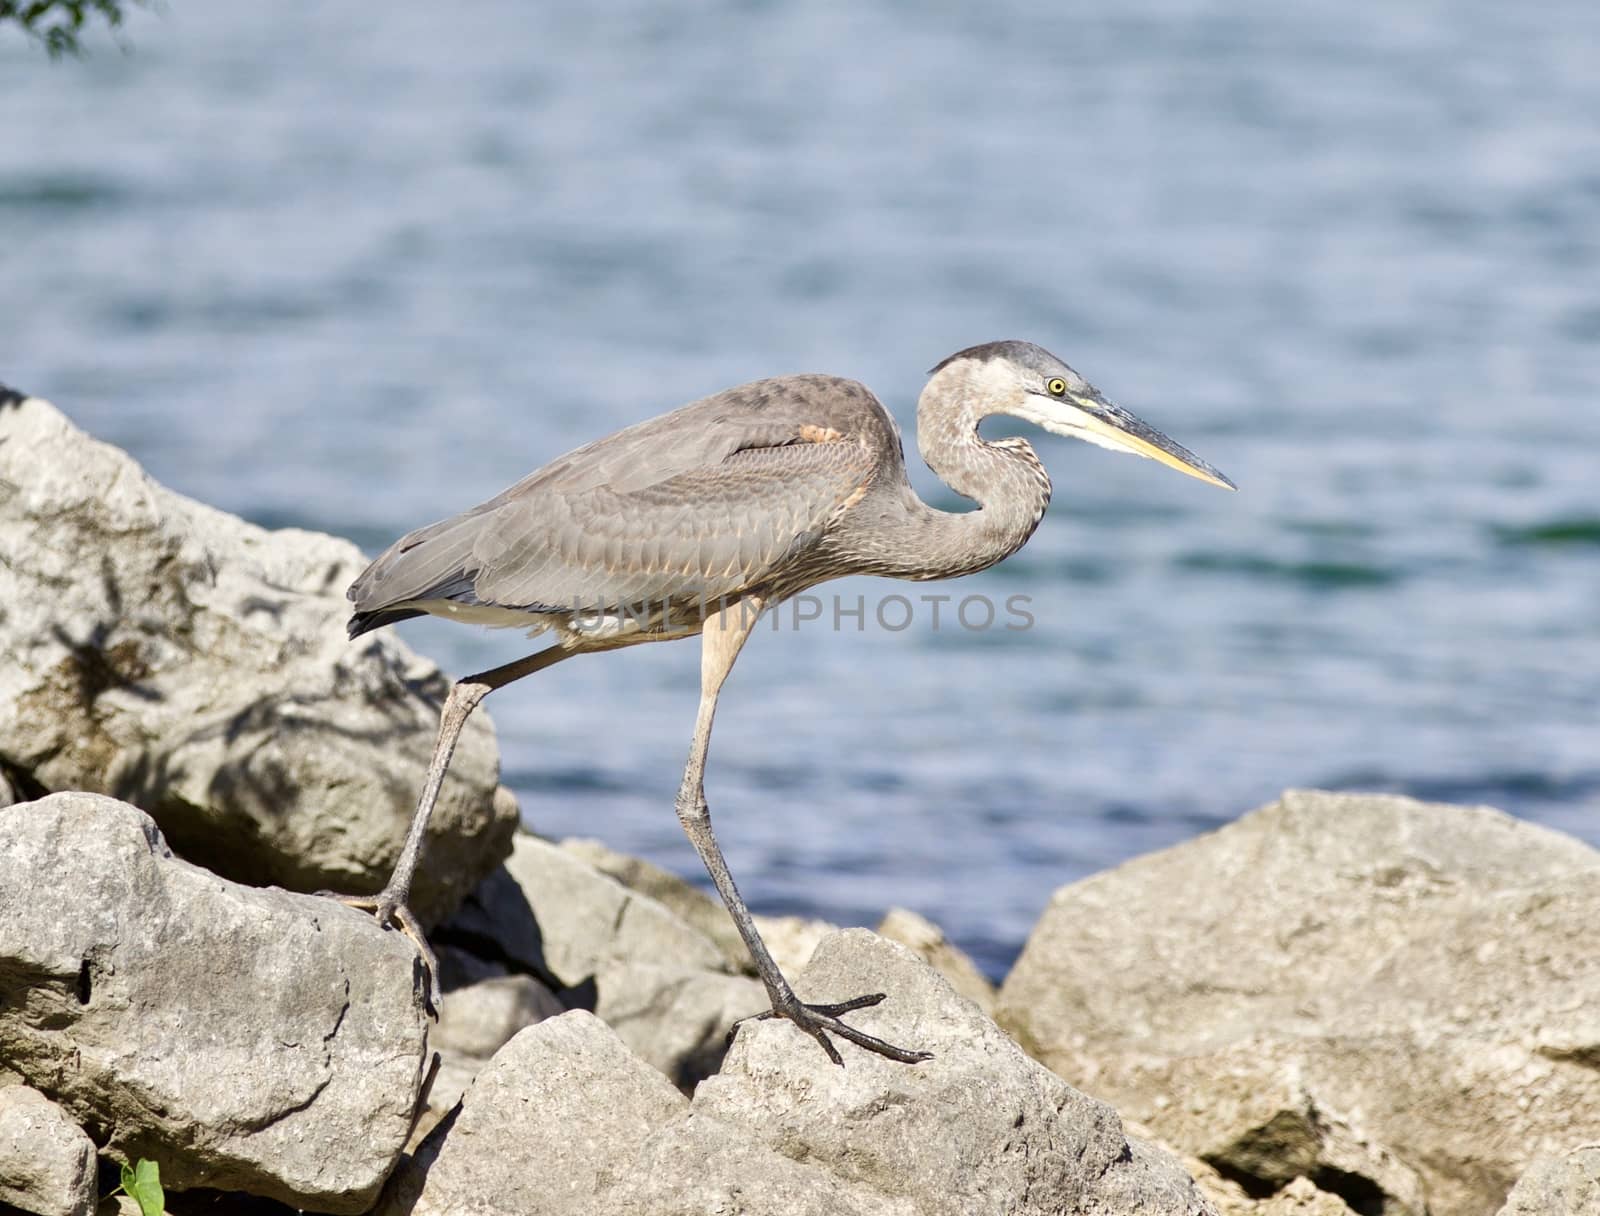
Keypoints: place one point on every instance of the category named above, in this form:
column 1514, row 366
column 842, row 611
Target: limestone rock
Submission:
column 47, row 1163
column 196, row 665
column 695, row 907
column 1558, row 1186
column 1301, row 1197
column 1399, row 1001
column 230, row 1034
column 980, row 1128
column 565, row 1119
column 674, row 1017
column 700, row 1165
column 484, row 1007
column 553, row 1120
column 926, row 940
column 662, row 985
column 552, row 912
column 790, row 939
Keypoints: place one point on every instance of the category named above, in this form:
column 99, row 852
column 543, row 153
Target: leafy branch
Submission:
column 58, row 23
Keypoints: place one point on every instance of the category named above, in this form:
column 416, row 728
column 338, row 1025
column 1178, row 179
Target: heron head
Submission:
column 1028, row 382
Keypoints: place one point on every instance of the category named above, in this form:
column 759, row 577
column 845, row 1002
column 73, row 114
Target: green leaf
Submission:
column 143, row 1182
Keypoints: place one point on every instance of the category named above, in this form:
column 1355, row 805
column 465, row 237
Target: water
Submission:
column 355, row 270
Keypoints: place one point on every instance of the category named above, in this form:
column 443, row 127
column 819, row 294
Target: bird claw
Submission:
column 819, row 1020
column 390, row 908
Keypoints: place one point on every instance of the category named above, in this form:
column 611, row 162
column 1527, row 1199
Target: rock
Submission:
column 230, row 1034
column 790, row 939
column 550, row 1122
column 1244, row 1111
column 980, row 1128
column 695, row 907
column 484, row 1007
column 552, row 912
column 663, row 986
column 675, row 1017
column 928, row 942
column 47, row 1163
column 780, row 1131
column 701, row 1165
column 196, row 665
column 1396, row 1000
column 1300, row 1197
column 1558, row 1186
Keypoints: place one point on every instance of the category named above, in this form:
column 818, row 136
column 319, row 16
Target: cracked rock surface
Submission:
column 660, row 983
column 551, row 1121
column 246, row 1039
column 196, row 665
column 1397, row 1000
column 47, row 1164
column 568, row 1120
column 1568, row 1185
column 484, row 1007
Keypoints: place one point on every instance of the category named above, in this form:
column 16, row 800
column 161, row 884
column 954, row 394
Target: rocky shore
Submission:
column 1337, row 1004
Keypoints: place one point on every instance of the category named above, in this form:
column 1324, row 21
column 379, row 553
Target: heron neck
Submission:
column 1004, row 478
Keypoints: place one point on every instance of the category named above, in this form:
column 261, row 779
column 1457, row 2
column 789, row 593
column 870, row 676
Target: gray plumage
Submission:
column 697, row 520
column 770, row 488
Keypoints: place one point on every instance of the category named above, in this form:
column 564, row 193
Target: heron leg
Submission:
column 392, row 904
column 724, row 636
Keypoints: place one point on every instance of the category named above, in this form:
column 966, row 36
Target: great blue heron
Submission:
column 695, row 521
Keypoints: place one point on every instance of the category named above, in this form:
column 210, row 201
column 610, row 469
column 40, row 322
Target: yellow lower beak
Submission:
column 1114, row 427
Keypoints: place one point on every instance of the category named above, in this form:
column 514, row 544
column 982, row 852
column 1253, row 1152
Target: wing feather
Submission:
column 710, row 532
column 709, row 500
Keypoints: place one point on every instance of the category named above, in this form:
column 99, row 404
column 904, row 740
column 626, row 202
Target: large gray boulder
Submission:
column 196, row 665
column 552, row 1121
column 662, row 985
column 243, row 1039
column 566, row 1120
column 978, row 1129
column 47, row 1163
column 1399, row 1001
column 1558, row 1186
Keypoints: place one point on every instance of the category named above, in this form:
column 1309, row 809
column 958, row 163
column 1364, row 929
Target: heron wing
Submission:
column 706, row 500
column 704, row 532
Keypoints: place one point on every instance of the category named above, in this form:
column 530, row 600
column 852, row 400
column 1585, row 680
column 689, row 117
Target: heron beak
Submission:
column 1113, row 427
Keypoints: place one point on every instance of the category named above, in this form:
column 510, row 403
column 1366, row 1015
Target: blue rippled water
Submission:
column 355, row 269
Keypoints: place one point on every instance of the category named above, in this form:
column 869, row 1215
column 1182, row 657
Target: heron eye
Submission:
column 1057, row 387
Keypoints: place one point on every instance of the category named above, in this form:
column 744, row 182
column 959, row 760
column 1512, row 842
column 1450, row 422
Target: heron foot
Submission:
column 389, row 908
column 819, row 1021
